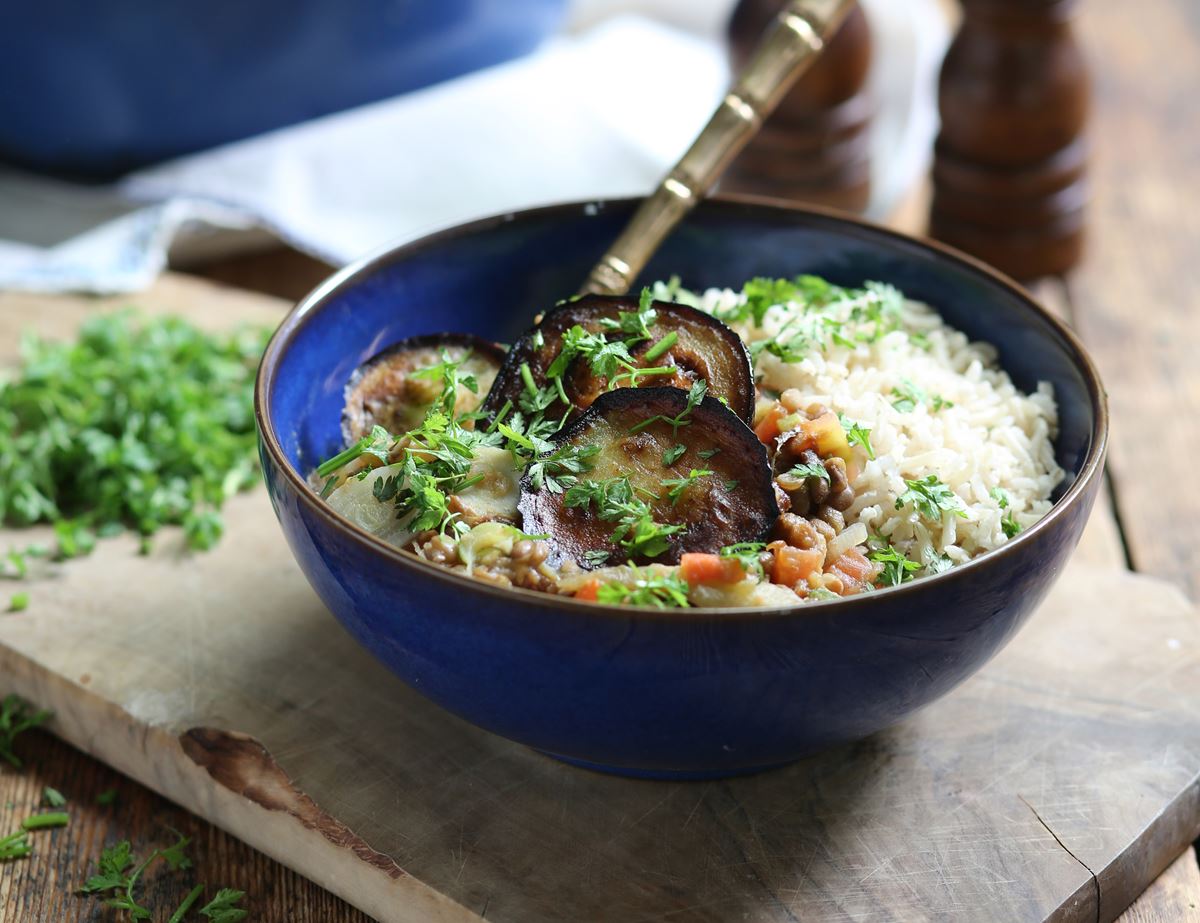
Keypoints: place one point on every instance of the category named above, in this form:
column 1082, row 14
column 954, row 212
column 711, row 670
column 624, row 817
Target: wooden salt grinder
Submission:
column 1008, row 175
column 815, row 147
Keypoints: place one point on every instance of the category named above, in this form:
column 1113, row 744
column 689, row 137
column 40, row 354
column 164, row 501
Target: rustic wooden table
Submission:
column 1136, row 302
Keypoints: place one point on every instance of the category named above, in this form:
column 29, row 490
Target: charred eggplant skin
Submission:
column 704, row 348
column 371, row 393
column 735, row 503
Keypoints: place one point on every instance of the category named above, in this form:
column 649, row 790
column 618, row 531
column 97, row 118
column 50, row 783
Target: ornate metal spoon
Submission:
column 786, row 50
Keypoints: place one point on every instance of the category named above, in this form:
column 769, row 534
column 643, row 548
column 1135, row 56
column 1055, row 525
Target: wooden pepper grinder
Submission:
column 1008, row 175
column 815, row 147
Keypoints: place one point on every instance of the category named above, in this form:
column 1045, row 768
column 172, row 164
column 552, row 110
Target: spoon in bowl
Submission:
column 787, row 49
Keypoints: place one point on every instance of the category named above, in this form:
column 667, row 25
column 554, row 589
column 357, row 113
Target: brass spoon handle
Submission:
column 786, row 50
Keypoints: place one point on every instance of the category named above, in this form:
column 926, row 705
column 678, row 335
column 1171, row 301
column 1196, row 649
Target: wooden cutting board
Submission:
column 1055, row 784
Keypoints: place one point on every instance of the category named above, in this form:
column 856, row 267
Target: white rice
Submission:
column 993, row 435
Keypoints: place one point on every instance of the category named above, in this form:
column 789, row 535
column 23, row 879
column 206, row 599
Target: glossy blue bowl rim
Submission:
column 327, row 292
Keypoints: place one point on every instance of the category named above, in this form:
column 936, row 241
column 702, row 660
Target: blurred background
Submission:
column 135, row 137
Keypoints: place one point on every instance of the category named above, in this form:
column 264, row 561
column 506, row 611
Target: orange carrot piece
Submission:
column 854, row 569
column 699, row 568
column 768, row 427
column 590, row 591
column 791, row 566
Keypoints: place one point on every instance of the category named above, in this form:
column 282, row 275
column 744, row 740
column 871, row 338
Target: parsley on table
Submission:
column 677, row 486
column 615, row 501
column 930, row 498
column 140, row 422
column 18, row 602
column 16, row 717
column 857, row 434
column 117, row 875
column 665, row 591
column 14, row 846
column 53, row 797
column 223, row 908
column 107, row 797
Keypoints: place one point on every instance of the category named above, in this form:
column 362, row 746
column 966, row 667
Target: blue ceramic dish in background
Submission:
column 683, row 692
column 96, row 89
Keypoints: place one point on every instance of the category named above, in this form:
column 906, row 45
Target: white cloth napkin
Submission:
column 599, row 114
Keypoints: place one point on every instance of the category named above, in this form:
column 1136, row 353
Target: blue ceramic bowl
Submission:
column 679, row 693
column 95, row 89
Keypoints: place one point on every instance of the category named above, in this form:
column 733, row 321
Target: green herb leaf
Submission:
column 673, row 454
column 107, row 797
column 18, row 602
column 45, row 821
column 816, row 470
column 748, row 554
column 897, row 568
column 596, row 557
column 677, row 486
column 930, row 498
column 53, row 797
column 223, row 908
column 637, row 531
column 857, row 435
column 665, row 591
column 16, row 717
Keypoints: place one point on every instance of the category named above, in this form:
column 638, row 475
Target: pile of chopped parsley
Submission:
column 141, row 422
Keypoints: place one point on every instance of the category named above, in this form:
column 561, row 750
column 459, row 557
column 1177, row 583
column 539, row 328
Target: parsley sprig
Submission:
column 695, row 397
column 748, row 554
column 897, row 568
column 662, row 591
column 857, row 434
column 1009, row 524
column 16, row 717
column 930, row 498
column 616, row 501
column 118, row 874
column 677, row 486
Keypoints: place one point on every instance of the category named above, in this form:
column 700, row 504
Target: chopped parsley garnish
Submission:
column 748, row 554
column 816, row 470
column 16, row 717
column 708, row 453
column 558, row 470
column 820, row 592
column 223, row 907
column 937, row 563
column 930, row 498
column 635, row 324
column 673, row 454
column 857, row 434
column 677, row 486
column 896, row 567
column 15, row 846
column 52, row 797
column 140, row 422
column 596, row 557
column 908, row 395
column 1009, row 524
column 117, row 876
column 46, row 821
column 695, row 397
column 636, row 532
column 666, row 591
column 377, row 443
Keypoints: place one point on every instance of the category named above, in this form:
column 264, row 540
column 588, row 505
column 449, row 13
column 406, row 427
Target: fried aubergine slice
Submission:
column 396, row 387
column 674, row 471
column 678, row 343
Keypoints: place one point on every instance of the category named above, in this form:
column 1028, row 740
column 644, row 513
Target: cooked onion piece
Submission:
column 674, row 473
column 683, row 346
column 391, row 390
